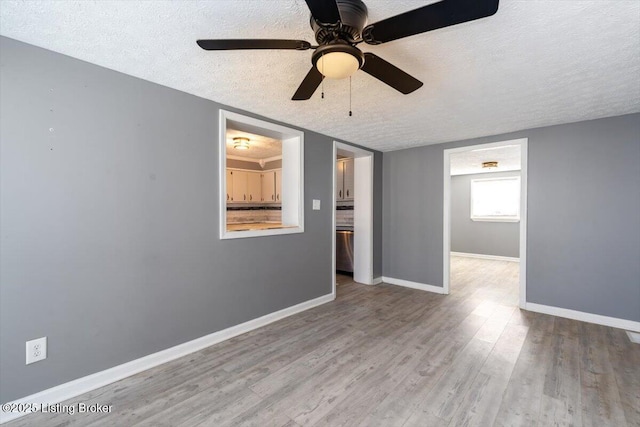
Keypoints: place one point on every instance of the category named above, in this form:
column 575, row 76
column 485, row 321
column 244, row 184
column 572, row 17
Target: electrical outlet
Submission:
column 36, row 350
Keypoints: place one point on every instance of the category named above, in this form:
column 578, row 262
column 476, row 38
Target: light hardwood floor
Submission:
column 390, row 356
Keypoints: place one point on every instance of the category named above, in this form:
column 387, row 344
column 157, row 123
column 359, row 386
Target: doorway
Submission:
column 362, row 212
column 521, row 208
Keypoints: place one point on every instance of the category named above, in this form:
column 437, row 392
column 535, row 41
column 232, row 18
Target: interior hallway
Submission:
column 493, row 281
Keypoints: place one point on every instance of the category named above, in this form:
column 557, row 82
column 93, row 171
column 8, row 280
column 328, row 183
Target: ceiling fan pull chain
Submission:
column 350, row 113
column 322, row 72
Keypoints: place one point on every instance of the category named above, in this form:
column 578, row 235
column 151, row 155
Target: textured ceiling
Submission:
column 260, row 146
column 534, row 63
column 467, row 162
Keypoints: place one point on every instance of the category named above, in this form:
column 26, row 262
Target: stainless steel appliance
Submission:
column 344, row 249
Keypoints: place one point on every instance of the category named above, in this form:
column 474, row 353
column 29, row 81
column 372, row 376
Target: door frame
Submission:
column 446, row 238
column 362, row 214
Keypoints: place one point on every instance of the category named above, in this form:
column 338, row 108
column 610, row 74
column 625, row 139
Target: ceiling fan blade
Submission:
column 324, row 11
column 427, row 18
column 235, row 44
column 308, row 85
column 390, row 74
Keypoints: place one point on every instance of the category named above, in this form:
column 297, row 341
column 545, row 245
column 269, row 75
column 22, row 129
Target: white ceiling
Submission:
column 534, row 63
column 260, row 146
column 467, row 162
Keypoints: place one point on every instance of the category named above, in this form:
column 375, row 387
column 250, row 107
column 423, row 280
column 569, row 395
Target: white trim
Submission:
column 333, row 218
column 363, row 219
column 446, row 220
column 293, row 181
column 247, row 159
column 634, row 337
column 377, row 280
column 482, row 171
column 598, row 319
column 252, row 170
column 413, row 285
column 494, row 219
column 362, row 211
column 100, row 379
column 524, row 168
column 258, row 233
column 483, row 256
column 292, row 177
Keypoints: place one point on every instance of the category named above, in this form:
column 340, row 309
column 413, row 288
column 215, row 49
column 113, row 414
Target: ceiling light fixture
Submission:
column 241, row 143
column 337, row 61
column 488, row 165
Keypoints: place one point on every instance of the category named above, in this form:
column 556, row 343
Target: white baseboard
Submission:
column 413, row 285
column 634, row 337
column 377, row 280
column 99, row 379
column 483, row 256
column 598, row 319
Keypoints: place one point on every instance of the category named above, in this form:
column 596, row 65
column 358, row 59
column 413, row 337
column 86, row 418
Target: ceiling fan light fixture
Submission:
column 489, row 165
column 337, row 61
column 337, row 65
column 340, row 25
column 241, row 143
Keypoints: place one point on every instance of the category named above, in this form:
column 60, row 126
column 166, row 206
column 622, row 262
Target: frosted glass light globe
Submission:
column 337, row 65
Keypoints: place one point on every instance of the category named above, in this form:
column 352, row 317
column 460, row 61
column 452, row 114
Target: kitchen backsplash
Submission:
column 344, row 216
column 253, row 215
column 241, row 215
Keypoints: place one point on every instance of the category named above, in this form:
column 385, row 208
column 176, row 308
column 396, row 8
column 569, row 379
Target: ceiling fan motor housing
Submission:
column 353, row 18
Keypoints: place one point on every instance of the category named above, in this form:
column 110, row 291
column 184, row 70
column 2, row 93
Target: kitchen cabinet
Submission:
column 348, row 179
column 339, row 180
column 254, row 187
column 239, row 186
column 269, row 186
column 229, row 185
column 278, row 174
column 344, row 179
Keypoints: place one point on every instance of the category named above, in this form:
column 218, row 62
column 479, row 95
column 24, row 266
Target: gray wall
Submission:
column 480, row 237
column 109, row 222
column 583, row 242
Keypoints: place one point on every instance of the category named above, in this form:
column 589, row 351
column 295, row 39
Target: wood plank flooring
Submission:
column 390, row 356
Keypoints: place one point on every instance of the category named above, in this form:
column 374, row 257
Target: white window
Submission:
column 495, row 199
